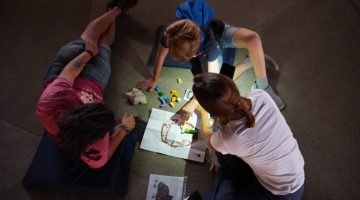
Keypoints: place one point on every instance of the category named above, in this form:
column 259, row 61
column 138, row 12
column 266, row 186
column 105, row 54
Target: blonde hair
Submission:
column 183, row 38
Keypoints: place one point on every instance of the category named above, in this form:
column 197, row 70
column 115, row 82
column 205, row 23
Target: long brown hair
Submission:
column 219, row 95
column 183, row 38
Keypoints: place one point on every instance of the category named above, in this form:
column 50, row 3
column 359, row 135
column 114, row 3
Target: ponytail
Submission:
column 219, row 95
column 243, row 105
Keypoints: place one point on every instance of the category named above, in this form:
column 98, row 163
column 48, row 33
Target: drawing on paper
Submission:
column 183, row 128
column 163, row 134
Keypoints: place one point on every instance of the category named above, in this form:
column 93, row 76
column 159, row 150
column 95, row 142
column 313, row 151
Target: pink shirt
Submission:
column 59, row 97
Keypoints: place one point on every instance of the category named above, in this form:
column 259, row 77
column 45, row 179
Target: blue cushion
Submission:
column 52, row 167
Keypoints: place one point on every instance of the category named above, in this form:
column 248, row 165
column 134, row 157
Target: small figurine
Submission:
column 162, row 100
column 174, row 92
column 179, row 80
column 157, row 88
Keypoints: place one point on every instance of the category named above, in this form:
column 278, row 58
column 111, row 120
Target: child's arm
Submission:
column 206, row 130
column 76, row 65
column 126, row 125
column 159, row 61
column 189, row 108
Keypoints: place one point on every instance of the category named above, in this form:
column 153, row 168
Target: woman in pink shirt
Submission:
column 72, row 111
column 71, row 107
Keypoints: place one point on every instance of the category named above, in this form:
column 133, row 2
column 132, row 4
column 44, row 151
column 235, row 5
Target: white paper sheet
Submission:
column 166, row 187
column 182, row 146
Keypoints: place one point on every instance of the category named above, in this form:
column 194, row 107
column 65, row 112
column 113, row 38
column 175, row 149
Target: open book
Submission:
column 166, row 187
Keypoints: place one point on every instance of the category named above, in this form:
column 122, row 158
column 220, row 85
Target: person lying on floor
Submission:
column 71, row 108
column 257, row 151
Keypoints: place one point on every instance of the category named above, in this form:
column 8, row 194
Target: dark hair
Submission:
column 219, row 95
column 83, row 126
column 183, row 38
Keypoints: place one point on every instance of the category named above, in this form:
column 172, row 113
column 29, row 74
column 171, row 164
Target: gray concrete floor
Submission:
column 316, row 43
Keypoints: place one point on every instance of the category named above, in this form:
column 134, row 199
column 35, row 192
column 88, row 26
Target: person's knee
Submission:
column 250, row 40
column 253, row 40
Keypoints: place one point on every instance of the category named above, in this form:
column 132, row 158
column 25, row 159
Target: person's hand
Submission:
column 128, row 122
column 148, row 84
column 186, row 111
column 92, row 47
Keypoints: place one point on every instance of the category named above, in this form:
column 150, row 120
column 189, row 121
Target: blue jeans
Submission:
column 97, row 69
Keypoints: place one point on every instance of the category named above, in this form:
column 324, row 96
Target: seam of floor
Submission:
column 17, row 126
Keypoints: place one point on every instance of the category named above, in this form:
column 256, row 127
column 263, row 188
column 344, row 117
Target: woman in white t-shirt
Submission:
column 255, row 146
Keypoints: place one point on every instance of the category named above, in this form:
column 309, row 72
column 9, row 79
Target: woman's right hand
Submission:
column 128, row 121
column 148, row 84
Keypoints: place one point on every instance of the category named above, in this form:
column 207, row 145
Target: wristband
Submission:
column 123, row 127
column 91, row 53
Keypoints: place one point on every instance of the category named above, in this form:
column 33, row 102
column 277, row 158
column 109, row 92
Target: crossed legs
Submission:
column 101, row 30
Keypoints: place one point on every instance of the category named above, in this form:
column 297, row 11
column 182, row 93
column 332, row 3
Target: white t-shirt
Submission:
column 269, row 148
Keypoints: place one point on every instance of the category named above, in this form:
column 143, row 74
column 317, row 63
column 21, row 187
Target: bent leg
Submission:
column 63, row 57
column 108, row 37
column 245, row 38
column 239, row 70
column 100, row 25
column 99, row 68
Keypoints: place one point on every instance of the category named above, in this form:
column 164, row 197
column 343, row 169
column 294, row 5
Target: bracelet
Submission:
column 91, row 53
column 123, row 127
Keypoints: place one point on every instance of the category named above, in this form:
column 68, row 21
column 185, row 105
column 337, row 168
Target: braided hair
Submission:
column 83, row 126
column 219, row 95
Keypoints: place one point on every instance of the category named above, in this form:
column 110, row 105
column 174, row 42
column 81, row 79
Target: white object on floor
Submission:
column 163, row 135
column 166, row 187
column 135, row 96
column 188, row 95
